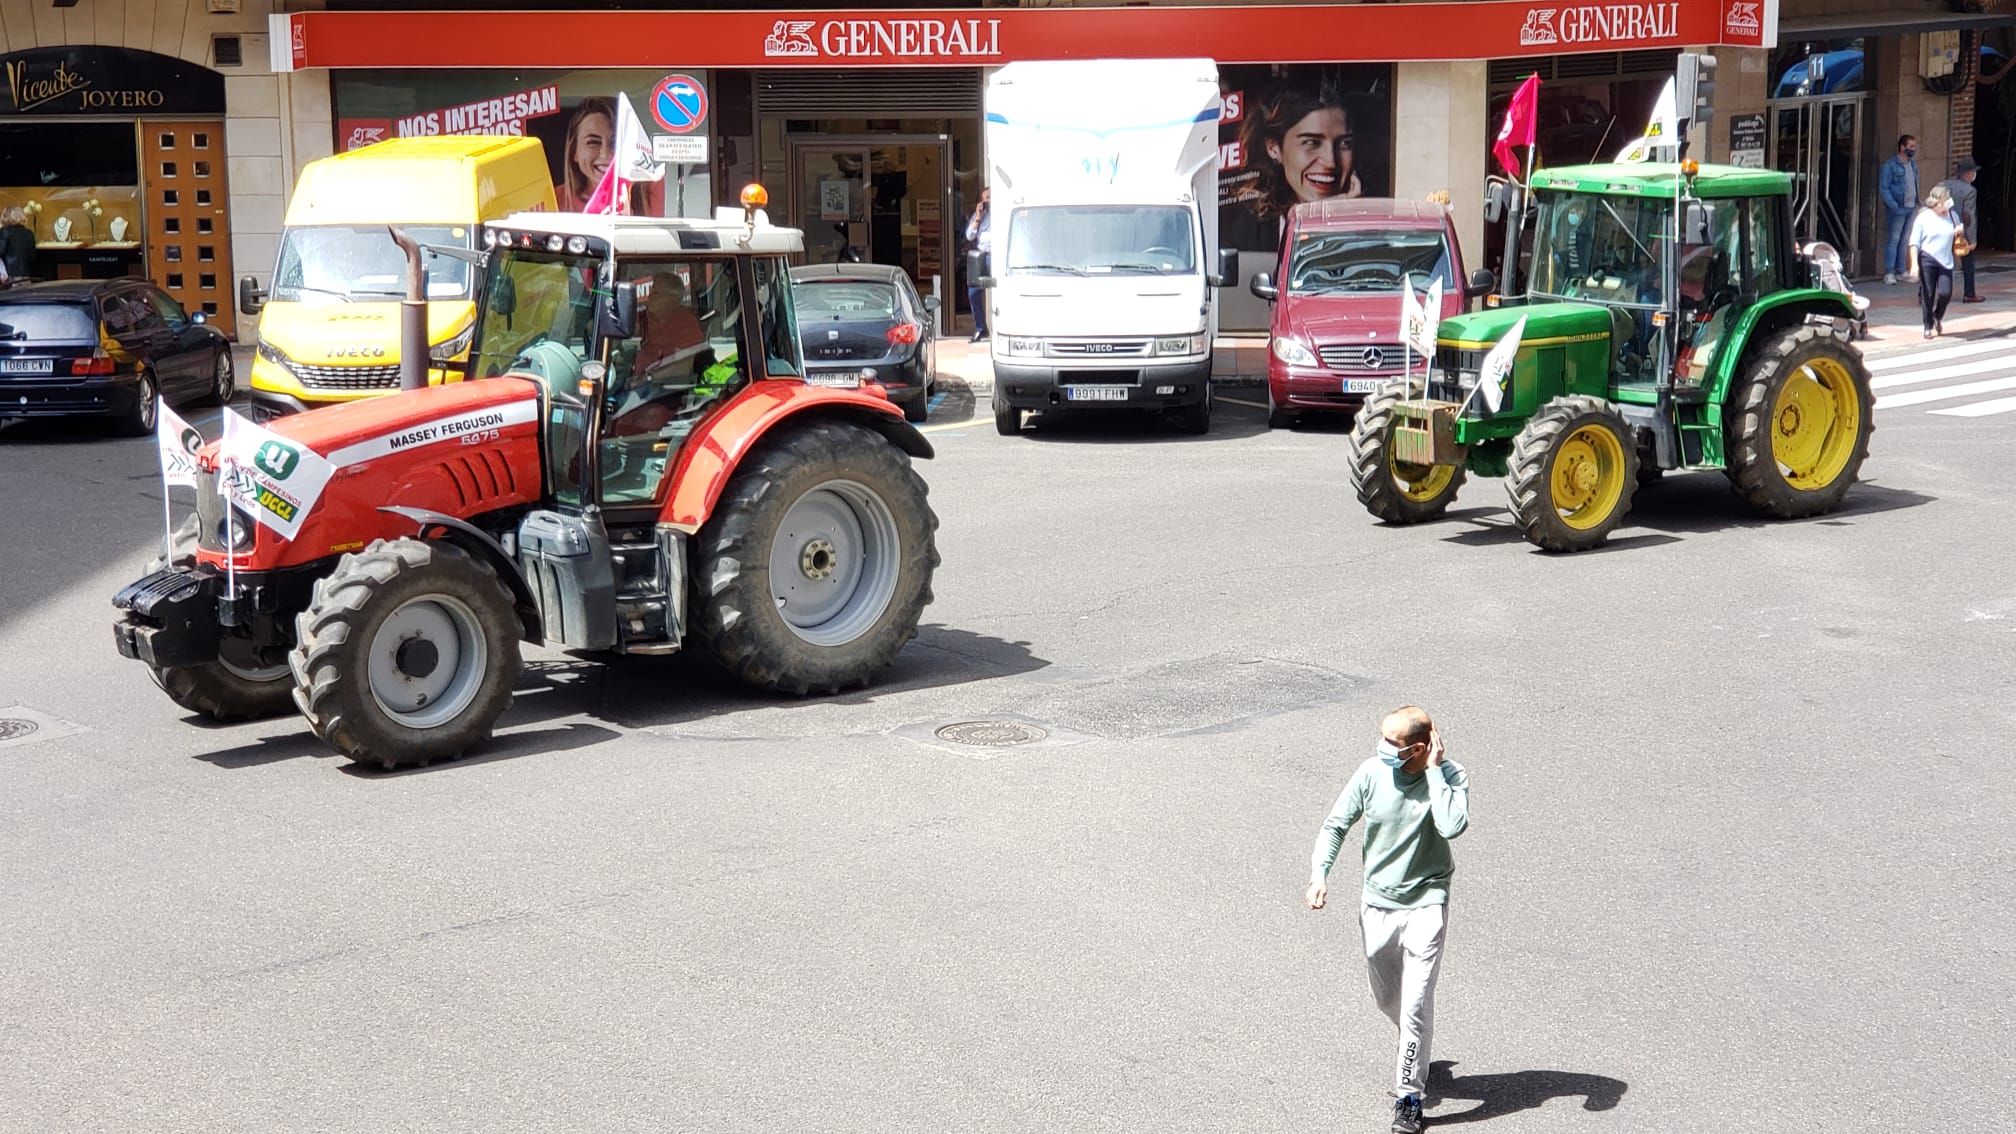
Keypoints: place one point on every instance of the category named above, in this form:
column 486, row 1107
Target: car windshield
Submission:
column 1372, row 260
column 1101, row 239
column 48, row 322
column 1596, row 247
column 843, row 300
column 360, row 263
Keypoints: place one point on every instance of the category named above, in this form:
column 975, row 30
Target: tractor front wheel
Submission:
column 816, row 565
column 235, row 687
column 408, row 653
column 1395, row 491
column 1574, row 468
column 1799, row 424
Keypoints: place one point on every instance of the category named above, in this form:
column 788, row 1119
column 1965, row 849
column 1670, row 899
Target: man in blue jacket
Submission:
column 1899, row 189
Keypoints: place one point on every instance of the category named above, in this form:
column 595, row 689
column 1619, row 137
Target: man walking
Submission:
column 1414, row 799
column 980, row 234
column 1965, row 200
column 1898, row 187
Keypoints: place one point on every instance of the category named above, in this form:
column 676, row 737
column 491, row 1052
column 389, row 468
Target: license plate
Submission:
column 1363, row 385
column 842, row 381
column 1095, row 393
column 25, row 366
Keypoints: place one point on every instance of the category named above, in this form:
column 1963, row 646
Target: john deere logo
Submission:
column 276, row 460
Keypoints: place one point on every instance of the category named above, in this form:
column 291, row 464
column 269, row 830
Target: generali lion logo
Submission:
column 361, row 136
column 1538, row 29
column 790, row 37
column 1743, row 18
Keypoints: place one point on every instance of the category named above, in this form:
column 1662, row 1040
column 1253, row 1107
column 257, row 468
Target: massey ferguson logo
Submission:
column 1605, row 23
column 1743, row 19
column 356, row 352
column 883, row 38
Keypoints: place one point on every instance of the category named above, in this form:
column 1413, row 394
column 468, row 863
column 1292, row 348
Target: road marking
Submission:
column 1238, row 402
column 1941, row 373
column 967, row 424
column 1965, row 390
column 1938, row 354
column 1979, row 409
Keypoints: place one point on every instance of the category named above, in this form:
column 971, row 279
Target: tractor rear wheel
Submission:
column 816, row 565
column 1798, row 425
column 1573, row 471
column 235, row 687
column 408, row 653
column 1394, row 491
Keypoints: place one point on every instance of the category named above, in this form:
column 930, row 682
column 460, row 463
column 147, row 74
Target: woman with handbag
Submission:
column 1934, row 232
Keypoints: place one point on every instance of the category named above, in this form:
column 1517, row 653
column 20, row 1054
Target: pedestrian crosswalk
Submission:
column 1948, row 379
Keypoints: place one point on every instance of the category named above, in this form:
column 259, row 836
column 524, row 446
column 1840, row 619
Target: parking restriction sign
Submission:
column 679, row 103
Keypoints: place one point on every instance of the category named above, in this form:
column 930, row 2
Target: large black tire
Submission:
column 339, row 654
column 750, row 568
column 919, row 407
column 235, row 689
column 1561, row 460
column 1007, row 422
column 1195, row 418
column 1278, row 416
column 1377, row 479
column 223, row 383
column 139, row 421
column 1791, row 476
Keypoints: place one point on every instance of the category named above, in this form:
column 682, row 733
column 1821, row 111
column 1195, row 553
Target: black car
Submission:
column 110, row 348
column 866, row 323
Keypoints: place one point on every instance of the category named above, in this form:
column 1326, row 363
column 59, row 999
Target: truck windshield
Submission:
column 1595, row 247
column 1372, row 260
column 1101, row 239
column 360, row 263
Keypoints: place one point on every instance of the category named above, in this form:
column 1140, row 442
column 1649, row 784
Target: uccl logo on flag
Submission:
column 276, row 460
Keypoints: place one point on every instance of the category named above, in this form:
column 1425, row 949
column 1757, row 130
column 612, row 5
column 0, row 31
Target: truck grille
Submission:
column 348, row 377
column 1112, row 348
column 1369, row 357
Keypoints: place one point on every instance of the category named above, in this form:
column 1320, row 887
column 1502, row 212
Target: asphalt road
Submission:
column 1740, row 854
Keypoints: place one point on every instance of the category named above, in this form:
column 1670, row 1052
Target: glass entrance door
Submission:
column 1819, row 140
column 884, row 200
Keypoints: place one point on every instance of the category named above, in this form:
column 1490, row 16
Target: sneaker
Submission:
column 1407, row 1115
column 1890, row 277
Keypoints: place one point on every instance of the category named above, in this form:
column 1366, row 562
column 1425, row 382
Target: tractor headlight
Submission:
column 236, row 531
column 1188, row 344
column 577, row 244
column 454, row 348
column 1293, row 352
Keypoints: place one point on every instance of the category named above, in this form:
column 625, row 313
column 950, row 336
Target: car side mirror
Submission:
column 1698, row 225
column 1497, row 202
column 1262, row 286
column 619, row 315
column 931, row 303
column 1481, row 282
column 1228, row 268
column 250, row 298
column 976, row 270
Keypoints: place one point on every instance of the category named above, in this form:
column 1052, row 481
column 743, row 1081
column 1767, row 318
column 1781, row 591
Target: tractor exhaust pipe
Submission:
column 413, row 345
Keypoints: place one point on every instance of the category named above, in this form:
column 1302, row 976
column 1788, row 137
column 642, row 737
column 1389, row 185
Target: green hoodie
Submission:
column 1409, row 821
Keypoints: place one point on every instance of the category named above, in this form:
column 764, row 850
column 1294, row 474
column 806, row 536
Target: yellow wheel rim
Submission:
column 1588, row 478
column 1814, row 424
column 1419, row 483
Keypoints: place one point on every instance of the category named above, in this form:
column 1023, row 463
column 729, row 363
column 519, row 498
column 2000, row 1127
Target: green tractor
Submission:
column 1669, row 323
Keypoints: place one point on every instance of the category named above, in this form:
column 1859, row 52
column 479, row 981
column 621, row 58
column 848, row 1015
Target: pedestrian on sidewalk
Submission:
column 1898, row 187
column 980, row 234
column 1932, row 236
column 1414, row 799
column 1966, row 201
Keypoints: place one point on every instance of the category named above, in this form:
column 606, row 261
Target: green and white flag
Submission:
column 1494, row 377
column 274, row 480
column 178, row 441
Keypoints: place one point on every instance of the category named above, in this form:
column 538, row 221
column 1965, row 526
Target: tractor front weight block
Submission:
column 171, row 619
column 1424, row 433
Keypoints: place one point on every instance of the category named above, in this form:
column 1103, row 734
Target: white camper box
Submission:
column 1105, row 263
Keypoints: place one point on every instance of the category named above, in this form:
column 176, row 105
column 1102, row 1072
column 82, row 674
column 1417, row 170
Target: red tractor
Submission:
column 653, row 468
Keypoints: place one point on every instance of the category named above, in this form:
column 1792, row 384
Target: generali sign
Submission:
column 1314, row 33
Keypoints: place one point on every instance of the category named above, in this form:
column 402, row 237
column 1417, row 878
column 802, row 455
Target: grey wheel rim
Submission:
column 245, row 670
column 427, row 661
column 834, row 563
column 224, row 382
column 150, row 401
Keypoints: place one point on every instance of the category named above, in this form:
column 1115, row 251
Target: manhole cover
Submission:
column 991, row 734
column 14, row 728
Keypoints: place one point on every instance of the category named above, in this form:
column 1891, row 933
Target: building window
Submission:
column 171, row 225
column 167, row 169
column 175, row 279
column 202, row 197
column 167, row 141
column 206, row 252
column 200, row 169
column 170, row 198
column 172, row 253
column 204, row 226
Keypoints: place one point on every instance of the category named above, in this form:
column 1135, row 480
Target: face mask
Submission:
column 1389, row 755
column 1912, row 152
column 1574, row 220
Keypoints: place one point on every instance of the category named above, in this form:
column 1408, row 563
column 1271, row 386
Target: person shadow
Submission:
column 1500, row 1095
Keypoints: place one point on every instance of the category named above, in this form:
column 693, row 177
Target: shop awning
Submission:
column 1864, row 25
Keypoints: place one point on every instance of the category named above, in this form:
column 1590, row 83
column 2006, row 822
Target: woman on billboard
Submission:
column 1302, row 147
column 591, row 142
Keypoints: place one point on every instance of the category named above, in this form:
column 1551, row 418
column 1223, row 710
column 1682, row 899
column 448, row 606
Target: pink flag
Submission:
column 630, row 161
column 1521, row 118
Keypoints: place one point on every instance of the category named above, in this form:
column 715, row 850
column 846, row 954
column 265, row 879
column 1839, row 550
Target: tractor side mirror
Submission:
column 250, row 298
column 1228, row 268
column 504, row 297
column 976, row 270
column 1698, row 226
column 1262, row 287
column 1497, row 202
column 1481, row 282
column 619, row 315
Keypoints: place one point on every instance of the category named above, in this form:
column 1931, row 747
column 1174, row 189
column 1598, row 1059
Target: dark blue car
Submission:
column 108, row 348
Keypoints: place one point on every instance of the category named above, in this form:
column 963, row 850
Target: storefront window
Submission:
column 77, row 187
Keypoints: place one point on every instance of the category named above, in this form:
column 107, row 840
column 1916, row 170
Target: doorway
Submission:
column 883, row 200
column 1819, row 142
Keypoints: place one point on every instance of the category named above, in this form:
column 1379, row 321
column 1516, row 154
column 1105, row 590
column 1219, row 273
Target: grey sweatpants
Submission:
column 1403, row 952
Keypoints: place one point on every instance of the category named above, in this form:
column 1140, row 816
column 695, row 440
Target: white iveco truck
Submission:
column 1105, row 261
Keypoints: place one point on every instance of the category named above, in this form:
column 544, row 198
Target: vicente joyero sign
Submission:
column 112, row 81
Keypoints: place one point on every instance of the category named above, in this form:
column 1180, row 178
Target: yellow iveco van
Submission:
column 329, row 320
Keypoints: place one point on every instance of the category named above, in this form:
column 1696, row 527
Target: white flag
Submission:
column 1662, row 131
column 1424, row 316
column 274, row 480
column 633, row 145
column 1410, row 311
column 1494, row 378
column 178, row 441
